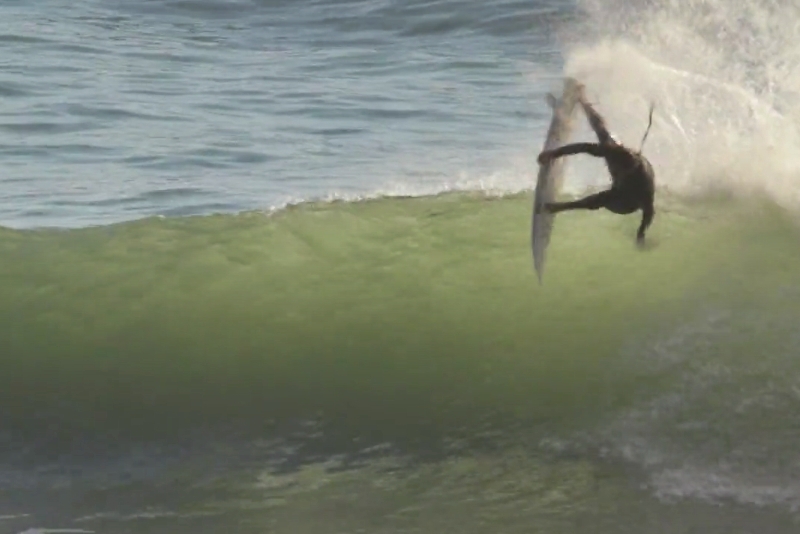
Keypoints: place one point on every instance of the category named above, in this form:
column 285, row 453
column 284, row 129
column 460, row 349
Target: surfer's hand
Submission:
column 545, row 157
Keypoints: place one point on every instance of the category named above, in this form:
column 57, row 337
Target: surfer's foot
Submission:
column 544, row 157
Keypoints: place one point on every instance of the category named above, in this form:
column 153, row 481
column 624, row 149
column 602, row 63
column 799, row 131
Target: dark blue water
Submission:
column 117, row 110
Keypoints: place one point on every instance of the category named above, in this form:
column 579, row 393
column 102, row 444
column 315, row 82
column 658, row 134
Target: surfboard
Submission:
column 551, row 174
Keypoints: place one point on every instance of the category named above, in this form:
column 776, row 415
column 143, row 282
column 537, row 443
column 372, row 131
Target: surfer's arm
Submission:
column 593, row 149
column 648, row 212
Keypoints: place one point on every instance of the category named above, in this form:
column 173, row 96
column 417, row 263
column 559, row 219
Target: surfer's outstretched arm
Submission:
column 648, row 212
column 597, row 122
column 593, row 149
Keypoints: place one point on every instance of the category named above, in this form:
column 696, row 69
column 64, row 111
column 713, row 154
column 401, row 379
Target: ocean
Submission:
column 265, row 267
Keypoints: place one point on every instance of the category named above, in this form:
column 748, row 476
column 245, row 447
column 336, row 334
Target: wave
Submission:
column 420, row 319
column 413, row 321
column 394, row 319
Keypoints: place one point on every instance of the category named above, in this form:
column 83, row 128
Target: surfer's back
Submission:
column 628, row 169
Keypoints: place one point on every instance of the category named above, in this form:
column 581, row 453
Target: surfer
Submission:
column 632, row 175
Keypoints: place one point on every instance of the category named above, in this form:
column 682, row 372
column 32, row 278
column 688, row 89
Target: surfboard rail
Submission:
column 551, row 174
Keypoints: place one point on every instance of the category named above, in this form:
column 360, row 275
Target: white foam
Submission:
column 698, row 482
column 511, row 181
column 720, row 73
column 710, row 431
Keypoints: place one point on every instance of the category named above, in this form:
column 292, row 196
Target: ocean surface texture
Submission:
column 265, row 268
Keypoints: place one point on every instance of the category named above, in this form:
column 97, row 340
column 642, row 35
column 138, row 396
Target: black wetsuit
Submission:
column 632, row 176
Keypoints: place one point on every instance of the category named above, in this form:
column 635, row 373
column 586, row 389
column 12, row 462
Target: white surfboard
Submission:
column 551, row 174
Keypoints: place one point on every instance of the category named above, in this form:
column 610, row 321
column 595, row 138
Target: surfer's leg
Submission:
column 622, row 201
column 614, row 200
column 592, row 202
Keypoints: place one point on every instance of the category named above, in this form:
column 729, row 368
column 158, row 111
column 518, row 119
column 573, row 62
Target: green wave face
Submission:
column 392, row 317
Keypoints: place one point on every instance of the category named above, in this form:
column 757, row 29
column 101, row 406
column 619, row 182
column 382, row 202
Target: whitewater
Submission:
column 266, row 268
